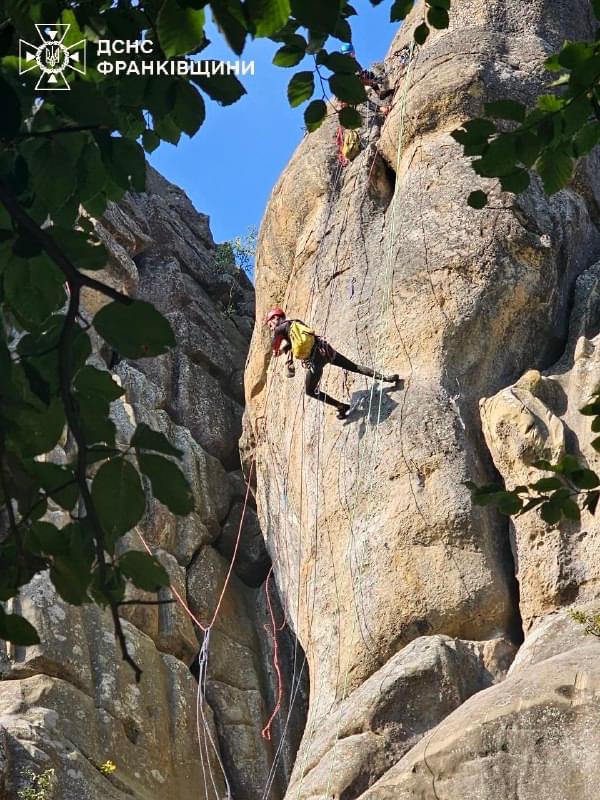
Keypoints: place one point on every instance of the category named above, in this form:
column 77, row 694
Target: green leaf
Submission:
column 421, row 33
column 168, row 483
column 587, row 138
column 144, row 438
column 533, row 503
column 509, row 503
column 51, row 167
column 348, row 88
column 300, row 88
column 189, row 112
column 57, row 481
column 340, row 63
column 166, row 128
column 229, row 16
column 477, row 199
column 118, row 497
column 10, row 119
column 315, row 113
column 135, row 330
column 528, row 148
column 34, row 289
column 42, row 537
column 474, row 131
column 349, row 117
column 292, row 52
column 591, row 502
column 125, row 162
column 551, row 512
column 91, row 175
column 575, row 54
column 268, row 16
column 150, row 140
column 144, row 570
column 568, row 464
column 570, row 509
column 552, row 64
column 506, row 109
column 399, row 9
column 95, row 421
column 546, row 465
column 35, row 432
column 585, row 479
column 16, row 629
column 576, row 114
column 342, row 30
column 555, row 168
column 84, row 251
column 550, row 103
column 547, row 484
column 591, row 409
column 317, row 15
column 97, row 383
column 180, row 29
column 225, row 89
column 438, row 18
column 499, row 157
column 516, row 181
column 69, row 581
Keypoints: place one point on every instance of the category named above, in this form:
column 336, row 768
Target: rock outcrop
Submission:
column 70, row 703
column 372, row 533
column 437, row 637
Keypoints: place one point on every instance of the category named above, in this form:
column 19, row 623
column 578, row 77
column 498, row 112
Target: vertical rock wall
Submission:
column 372, row 533
column 70, row 704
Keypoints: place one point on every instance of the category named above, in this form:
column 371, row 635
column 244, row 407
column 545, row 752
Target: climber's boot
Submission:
column 342, row 410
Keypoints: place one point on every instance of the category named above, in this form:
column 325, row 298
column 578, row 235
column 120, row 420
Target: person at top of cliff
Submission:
column 367, row 77
column 293, row 337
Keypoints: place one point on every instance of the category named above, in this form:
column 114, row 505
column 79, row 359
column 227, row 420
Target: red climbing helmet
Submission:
column 274, row 312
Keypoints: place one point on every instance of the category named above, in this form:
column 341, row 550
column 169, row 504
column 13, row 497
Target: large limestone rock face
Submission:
column 372, row 533
column 531, row 736
column 538, row 417
column 70, row 704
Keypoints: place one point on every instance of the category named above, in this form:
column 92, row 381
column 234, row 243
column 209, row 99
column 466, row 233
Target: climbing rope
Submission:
column 273, row 629
column 203, row 730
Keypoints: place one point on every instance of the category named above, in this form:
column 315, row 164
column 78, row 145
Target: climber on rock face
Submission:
column 293, row 337
column 368, row 78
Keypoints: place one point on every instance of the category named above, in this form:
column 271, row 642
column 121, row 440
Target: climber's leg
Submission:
column 342, row 362
column 313, row 377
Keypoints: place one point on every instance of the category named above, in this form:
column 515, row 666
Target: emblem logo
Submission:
column 52, row 57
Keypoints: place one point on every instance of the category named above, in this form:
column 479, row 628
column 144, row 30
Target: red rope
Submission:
column 273, row 630
column 179, row 598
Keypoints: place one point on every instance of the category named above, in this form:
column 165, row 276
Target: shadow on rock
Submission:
column 372, row 406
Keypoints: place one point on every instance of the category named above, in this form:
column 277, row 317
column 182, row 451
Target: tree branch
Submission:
column 72, row 274
column 146, row 602
column 73, row 421
column 57, row 131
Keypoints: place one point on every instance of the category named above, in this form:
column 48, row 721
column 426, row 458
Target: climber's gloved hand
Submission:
column 291, row 369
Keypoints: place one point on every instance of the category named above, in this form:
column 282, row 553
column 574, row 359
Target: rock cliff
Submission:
column 435, row 636
column 409, row 601
column 70, row 704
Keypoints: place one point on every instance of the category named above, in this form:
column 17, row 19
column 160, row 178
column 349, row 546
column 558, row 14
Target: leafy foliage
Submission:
column 590, row 622
column 41, row 785
column 559, row 496
column 511, row 142
column 239, row 251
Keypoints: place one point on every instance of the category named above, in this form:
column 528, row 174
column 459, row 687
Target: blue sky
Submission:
column 229, row 168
